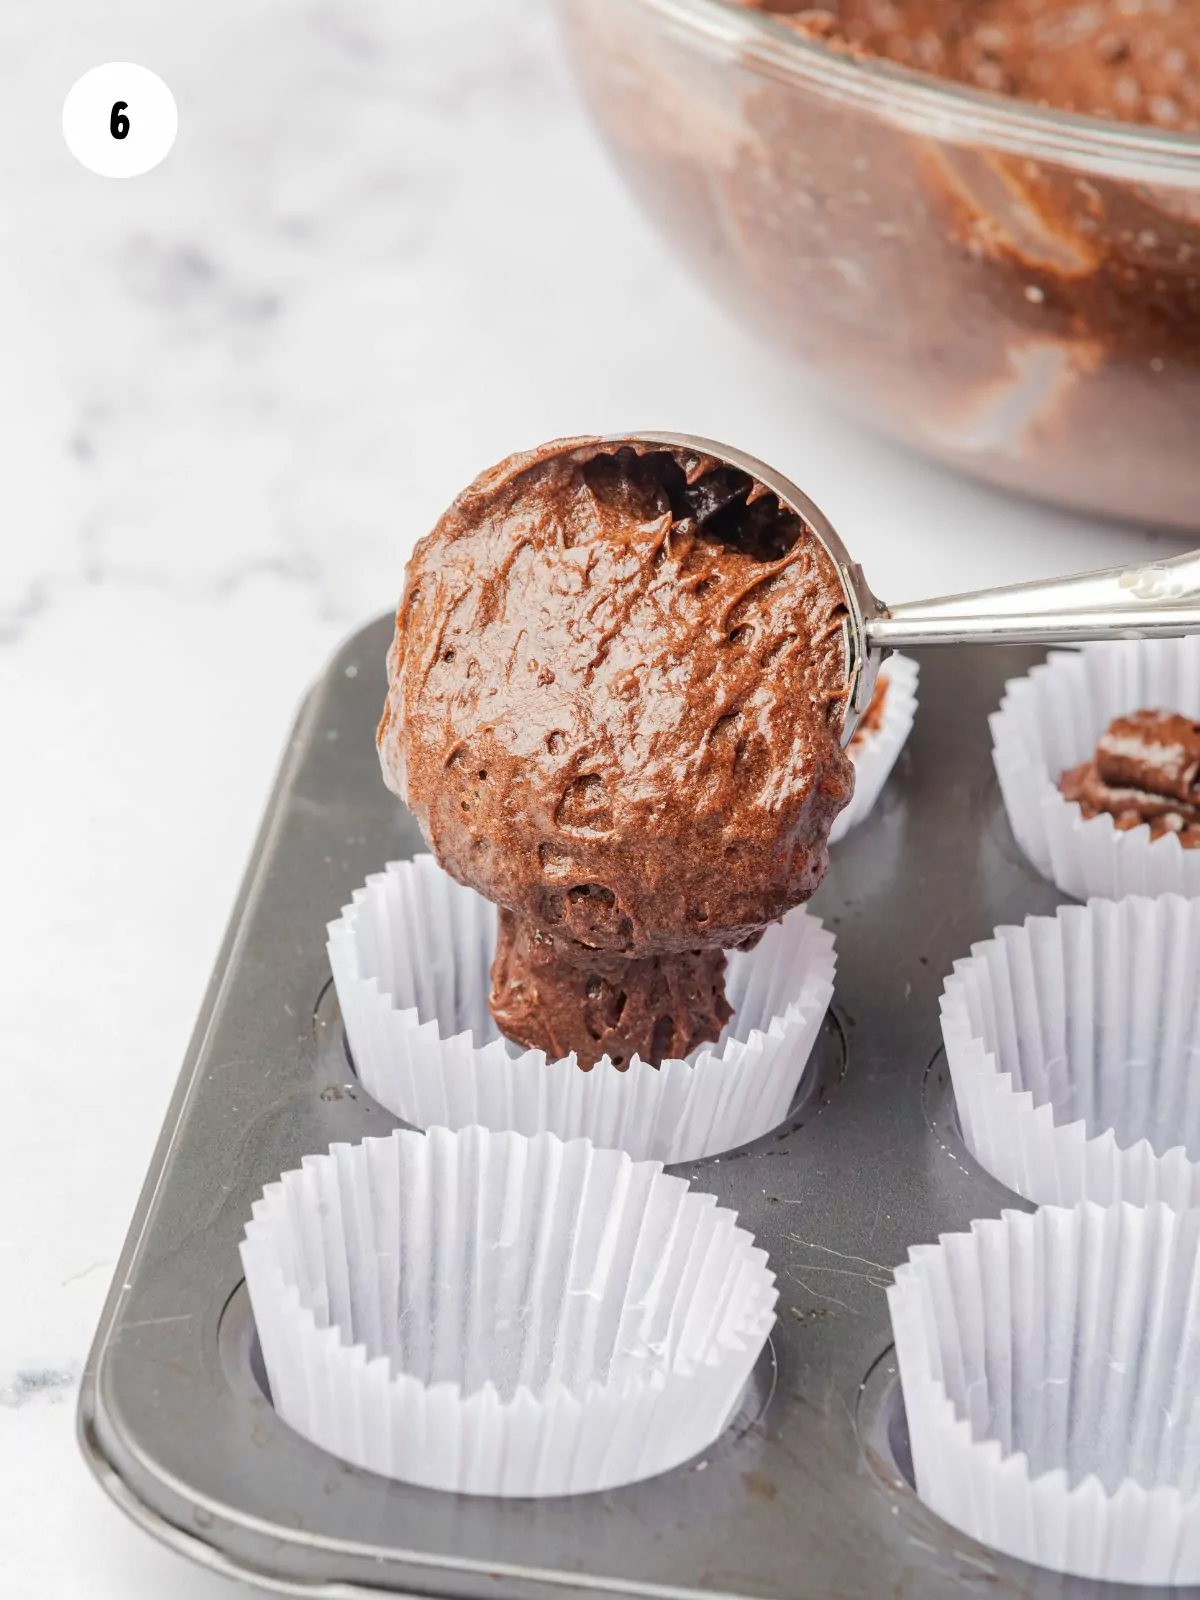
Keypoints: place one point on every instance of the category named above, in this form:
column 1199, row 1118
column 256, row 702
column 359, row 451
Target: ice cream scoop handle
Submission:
column 1153, row 600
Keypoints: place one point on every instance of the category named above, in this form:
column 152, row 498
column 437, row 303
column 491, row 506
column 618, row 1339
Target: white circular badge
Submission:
column 120, row 120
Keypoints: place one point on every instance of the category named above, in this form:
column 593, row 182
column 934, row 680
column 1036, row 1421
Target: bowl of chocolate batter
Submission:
column 976, row 222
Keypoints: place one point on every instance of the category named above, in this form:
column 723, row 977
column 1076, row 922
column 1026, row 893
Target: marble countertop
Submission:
column 385, row 251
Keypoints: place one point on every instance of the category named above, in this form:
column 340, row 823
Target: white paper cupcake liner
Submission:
column 1074, row 1047
column 1051, row 1373
column 1050, row 721
column 497, row 1315
column 411, row 959
column 875, row 754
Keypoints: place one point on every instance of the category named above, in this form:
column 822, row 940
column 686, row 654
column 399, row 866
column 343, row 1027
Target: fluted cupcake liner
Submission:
column 1050, row 1364
column 497, row 1315
column 875, row 754
column 411, row 959
column 1074, row 1048
column 1049, row 721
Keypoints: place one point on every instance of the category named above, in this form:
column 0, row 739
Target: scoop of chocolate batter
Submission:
column 1146, row 769
column 615, row 705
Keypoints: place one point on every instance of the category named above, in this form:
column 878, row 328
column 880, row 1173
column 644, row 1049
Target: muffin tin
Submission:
column 808, row 1494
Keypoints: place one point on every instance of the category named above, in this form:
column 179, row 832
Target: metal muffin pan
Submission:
column 807, row 1496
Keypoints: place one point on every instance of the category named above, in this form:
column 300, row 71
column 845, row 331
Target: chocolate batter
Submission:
column 1031, row 318
column 1132, row 60
column 1146, row 769
column 615, row 705
column 872, row 718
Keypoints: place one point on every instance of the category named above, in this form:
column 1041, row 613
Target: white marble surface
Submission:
column 384, row 252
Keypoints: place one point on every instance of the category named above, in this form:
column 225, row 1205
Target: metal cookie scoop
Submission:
column 1152, row 600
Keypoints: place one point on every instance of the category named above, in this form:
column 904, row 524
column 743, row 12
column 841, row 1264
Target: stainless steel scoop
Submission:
column 1150, row 600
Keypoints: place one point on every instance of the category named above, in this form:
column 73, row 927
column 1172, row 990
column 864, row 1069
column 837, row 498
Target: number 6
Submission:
column 118, row 124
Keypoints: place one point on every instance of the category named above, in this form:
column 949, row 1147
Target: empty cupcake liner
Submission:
column 1050, row 1364
column 1050, row 721
column 1074, row 1048
column 497, row 1315
column 875, row 754
column 411, row 959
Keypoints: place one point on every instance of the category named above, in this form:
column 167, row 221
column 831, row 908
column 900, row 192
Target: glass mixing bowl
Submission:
column 1013, row 290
